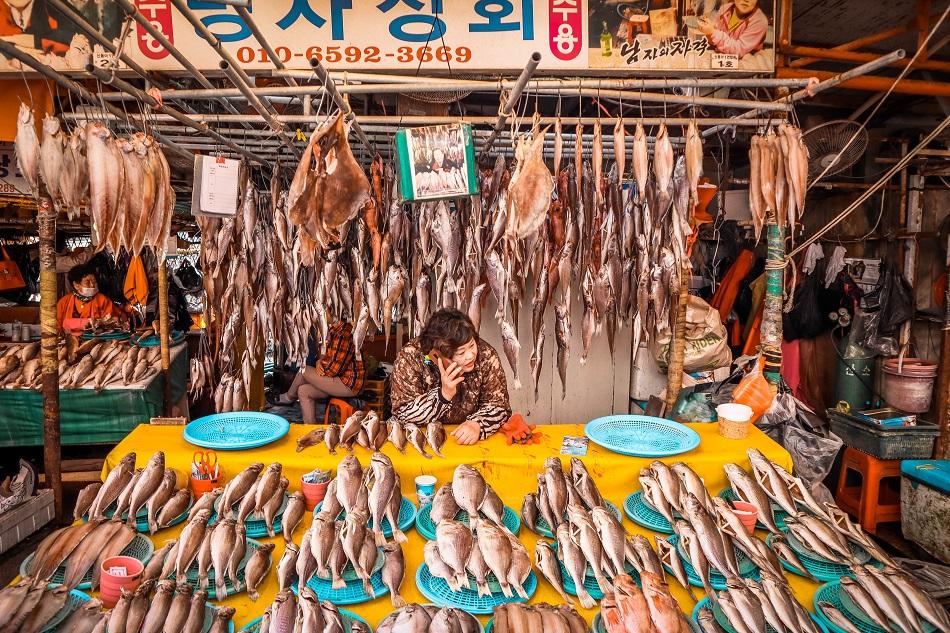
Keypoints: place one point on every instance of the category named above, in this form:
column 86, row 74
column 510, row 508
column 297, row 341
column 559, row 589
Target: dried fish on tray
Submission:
column 46, row 608
column 288, row 612
column 520, row 618
column 258, row 503
column 467, row 495
column 367, row 429
column 425, row 618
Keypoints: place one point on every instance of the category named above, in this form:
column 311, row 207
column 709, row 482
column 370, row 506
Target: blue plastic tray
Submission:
column 542, row 527
column 236, row 431
column 192, row 573
column 747, row 568
column 720, row 618
column 641, row 435
column 106, row 336
column 351, row 594
column 405, row 520
column 254, row 524
column 642, row 513
column 426, row 527
column 590, row 581
column 777, row 512
column 141, row 548
column 348, row 618
column 833, row 593
column 153, row 340
column 74, row 602
column 468, row 600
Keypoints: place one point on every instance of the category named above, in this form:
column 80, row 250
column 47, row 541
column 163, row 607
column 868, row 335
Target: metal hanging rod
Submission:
column 241, row 7
column 324, row 77
column 504, row 109
column 274, row 124
column 147, row 99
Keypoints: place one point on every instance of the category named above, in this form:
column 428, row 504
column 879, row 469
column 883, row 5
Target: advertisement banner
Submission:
column 603, row 36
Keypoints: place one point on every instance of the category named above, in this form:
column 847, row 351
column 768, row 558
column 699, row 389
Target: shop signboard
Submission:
column 11, row 180
column 612, row 37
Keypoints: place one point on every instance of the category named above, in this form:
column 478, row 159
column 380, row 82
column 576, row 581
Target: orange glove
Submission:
column 517, row 430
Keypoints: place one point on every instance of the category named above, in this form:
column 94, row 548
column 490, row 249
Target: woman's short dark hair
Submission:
column 446, row 331
column 76, row 273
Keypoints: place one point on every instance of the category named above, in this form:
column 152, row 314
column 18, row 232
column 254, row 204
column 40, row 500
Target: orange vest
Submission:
column 69, row 307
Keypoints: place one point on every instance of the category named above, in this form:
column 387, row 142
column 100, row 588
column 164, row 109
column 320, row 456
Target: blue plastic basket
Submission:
column 351, row 594
column 152, row 340
column 141, row 516
column 641, row 435
column 747, row 569
column 542, row 527
column 834, row 594
column 254, row 524
column 74, row 601
column 426, row 527
column 724, row 623
column 348, row 618
column 140, row 548
column 192, row 573
column 777, row 512
column 642, row 513
column 468, row 600
column 106, row 336
column 405, row 520
column 236, row 431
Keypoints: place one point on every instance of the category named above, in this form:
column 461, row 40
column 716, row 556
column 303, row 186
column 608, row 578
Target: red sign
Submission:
column 159, row 13
column 566, row 28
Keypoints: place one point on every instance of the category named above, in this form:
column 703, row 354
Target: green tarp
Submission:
column 87, row 417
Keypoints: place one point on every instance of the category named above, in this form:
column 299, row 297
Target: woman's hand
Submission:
column 706, row 27
column 451, row 375
column 467, row 433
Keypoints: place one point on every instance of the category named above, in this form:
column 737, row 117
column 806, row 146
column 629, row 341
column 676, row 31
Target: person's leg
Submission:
column 333, row 387
column 309, row 395
column 292, row 392
column 302, row 378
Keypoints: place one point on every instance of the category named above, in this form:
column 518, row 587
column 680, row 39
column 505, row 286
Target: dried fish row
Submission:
column 522, row 618
column 427, row 618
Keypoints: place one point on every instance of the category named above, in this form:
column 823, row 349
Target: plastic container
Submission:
column 313, row 494
column 734, row 420
column 201, row 487
column 425, row 489
column 908, row 383
column 118, row 573
column 903, row 442
column 747, row 513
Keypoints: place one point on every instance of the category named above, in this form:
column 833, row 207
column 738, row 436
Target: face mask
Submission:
column 89, row 292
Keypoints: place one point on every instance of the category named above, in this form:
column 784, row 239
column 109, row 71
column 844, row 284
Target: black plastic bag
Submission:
column 808, row 317
column 894, row 296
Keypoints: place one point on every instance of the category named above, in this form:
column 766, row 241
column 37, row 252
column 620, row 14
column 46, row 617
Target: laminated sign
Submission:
column 436, row 162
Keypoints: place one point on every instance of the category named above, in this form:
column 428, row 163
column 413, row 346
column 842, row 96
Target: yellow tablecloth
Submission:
column 511, row 471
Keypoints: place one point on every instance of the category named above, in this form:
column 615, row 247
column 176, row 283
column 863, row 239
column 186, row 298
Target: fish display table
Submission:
column 88, row 416
column 510, row 470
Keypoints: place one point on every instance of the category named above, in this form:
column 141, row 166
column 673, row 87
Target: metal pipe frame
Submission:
column 876, row 83
column 144, row 97
column 233, row 3
column 241, row 7
column 857, row 56
column 504, row 110
column 256, row 103
column 10, row 50
column 324, row 77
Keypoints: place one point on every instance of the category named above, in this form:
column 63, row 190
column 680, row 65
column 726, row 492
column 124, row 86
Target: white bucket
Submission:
column 734, row 420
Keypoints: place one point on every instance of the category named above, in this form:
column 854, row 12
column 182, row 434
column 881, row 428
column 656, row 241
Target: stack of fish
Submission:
column 28, row 607
column 556, row 490
column 94, row 364
column 248, row 496
column 778, row 177
column 330, row 545
column 749, row 605
column 427, row 618
column 521, row 618
column 170, row 608
column 306, row 614
column 123, row 184
column 366, row 429
column 626, row 608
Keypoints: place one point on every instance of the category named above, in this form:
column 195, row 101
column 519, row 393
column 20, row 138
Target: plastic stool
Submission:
column 337, row 411
column 866, row 501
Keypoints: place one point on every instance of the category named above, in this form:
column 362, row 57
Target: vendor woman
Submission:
column 450, row 375
column 84, row 302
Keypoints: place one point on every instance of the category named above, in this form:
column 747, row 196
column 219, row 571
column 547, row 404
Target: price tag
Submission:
column 216, row 188
column 725, row 62
column 119, row 572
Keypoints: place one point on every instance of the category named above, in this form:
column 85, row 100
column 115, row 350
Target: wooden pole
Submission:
column 942, row 449
column 164, row 336
column 674, row 371
column 49, row 336
column 774, row 292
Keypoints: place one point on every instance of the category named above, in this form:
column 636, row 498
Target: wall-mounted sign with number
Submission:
column 660, row 36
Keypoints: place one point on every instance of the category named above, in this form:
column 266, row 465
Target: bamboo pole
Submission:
column 674, row 371
column 771, row 339
column 49, row 351
column 163, row 337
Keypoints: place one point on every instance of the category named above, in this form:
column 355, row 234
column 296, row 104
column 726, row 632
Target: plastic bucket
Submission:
column 201, row 487
column 908, row 384
column 734, row 420
column 118, row 573
column 747, row 513
column 313, row 494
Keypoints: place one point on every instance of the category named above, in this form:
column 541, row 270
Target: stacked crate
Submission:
column 376, row 396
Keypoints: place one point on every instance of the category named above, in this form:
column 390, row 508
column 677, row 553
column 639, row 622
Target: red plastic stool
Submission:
column 337, row 411
column 870, row 502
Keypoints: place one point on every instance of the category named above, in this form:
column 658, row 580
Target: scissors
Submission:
column 205, row 464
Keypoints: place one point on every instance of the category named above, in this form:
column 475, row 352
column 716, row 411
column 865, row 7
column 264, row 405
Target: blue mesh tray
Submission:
column 192, row 573
column 426, row 527
column 747, row 568
column 542, row 527
column 642, row 513
column 349, row 572
column 641, row 435
column 590, row 581
column 777, row 512
column 141, row 516
column 724, row 623
column 74, row 602
column 834, row 594
column 236, row 431
column 254, row 524
column 106, row 336
column 140, row 548
column 351, row 594
column 348, row 618
column 821, row 568
column 468, row 600
column 152, row 340
column 405, row 520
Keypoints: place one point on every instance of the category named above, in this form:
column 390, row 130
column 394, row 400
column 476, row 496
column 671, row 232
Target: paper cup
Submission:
column 313, row 494
column 425, row 489
column 734, row 420
column 747, row 513
column 118, row 573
